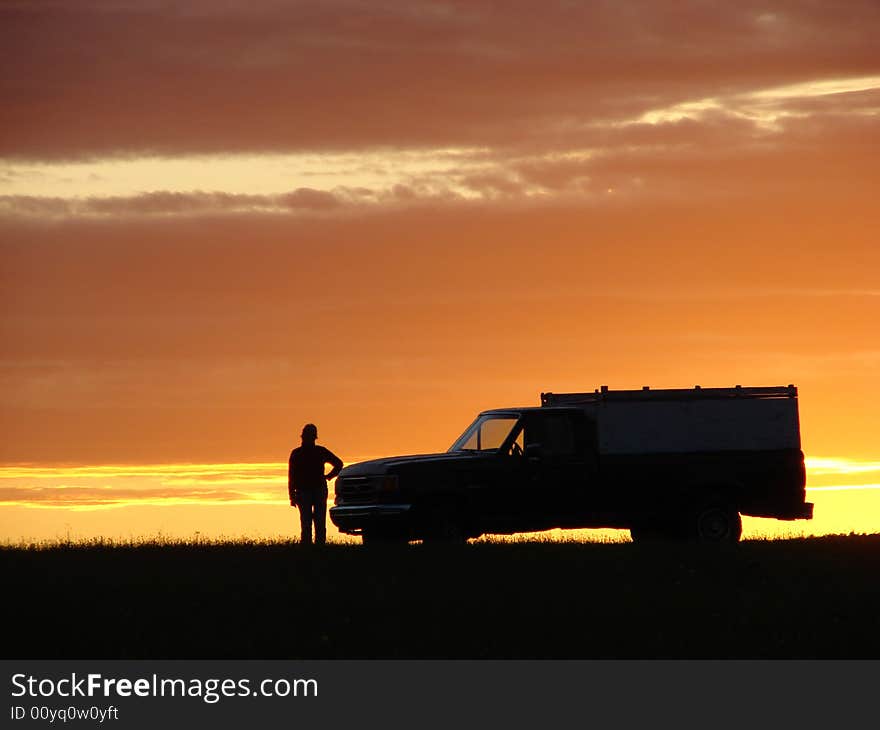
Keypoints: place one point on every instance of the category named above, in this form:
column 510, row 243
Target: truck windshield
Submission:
column 487, row 433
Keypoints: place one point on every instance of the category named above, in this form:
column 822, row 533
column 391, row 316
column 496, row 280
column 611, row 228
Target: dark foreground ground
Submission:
column 815, row 597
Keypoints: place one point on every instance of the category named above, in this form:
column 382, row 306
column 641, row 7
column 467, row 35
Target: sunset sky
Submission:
column 222, row 219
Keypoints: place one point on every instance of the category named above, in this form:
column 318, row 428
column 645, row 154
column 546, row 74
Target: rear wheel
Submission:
column 715, row 523
column 718, row 524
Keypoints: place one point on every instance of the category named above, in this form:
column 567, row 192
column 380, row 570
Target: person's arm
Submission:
column 291, row 492
column 335, row 462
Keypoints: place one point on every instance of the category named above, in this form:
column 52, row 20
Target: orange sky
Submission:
column 221, row 220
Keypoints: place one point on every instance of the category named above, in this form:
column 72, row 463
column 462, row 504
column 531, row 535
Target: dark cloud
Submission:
column 173, row 203
column 308, row 199
column 92, row 78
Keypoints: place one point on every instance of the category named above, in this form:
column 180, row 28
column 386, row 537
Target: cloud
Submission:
column 729, row 153
column 86, row 79
column 172, row 203
column 62, row 496
column 727, row 145
column 114, row 486
column 306, row 198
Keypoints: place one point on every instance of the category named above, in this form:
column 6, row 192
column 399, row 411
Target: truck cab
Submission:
column 511, row 470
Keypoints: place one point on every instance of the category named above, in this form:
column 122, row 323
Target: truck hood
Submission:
column 381, row 466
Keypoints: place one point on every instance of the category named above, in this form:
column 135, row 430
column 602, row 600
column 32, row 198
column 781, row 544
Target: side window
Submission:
column 555, row 433
column 516, row 448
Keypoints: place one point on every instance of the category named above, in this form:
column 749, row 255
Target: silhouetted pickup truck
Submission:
column 665, row 464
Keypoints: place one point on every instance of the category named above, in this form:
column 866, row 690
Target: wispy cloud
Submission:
column 822, row 87
column 83, row 487
column 825, row 465
column 843, row 487
column 94, row 487
column 838, row 474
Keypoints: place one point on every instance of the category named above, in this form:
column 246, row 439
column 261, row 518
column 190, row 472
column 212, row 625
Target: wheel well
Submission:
column 436, row 507
column 708, row 494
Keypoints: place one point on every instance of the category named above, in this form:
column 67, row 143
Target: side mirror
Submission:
column 534, row 451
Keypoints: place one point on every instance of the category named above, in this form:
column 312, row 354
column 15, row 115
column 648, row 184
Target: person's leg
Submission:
column 320, row 519
column 305, row 519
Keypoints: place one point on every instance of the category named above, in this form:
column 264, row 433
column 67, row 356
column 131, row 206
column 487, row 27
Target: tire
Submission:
column 717, row 524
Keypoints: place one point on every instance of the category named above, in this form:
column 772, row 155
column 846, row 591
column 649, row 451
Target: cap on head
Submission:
column 310, row 431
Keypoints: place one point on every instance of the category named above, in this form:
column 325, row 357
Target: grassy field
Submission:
column 801, row 598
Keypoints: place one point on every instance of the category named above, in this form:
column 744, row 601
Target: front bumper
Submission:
column 352, row 519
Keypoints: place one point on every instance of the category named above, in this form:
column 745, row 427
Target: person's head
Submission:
column 310, row 433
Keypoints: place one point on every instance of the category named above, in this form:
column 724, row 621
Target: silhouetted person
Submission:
column 307, row 483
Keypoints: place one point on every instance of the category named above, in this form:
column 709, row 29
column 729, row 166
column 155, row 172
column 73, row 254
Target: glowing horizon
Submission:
column 261, row 478
column 182, row 493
